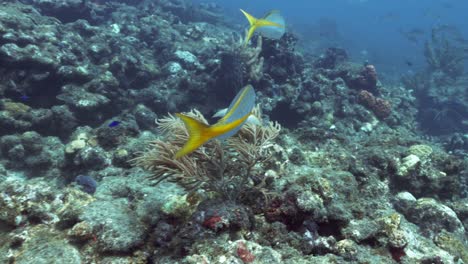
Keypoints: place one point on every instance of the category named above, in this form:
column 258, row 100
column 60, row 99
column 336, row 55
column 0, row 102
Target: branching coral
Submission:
column 443, row 54
column 227, row 168
column 250, row 56
column 240, row 64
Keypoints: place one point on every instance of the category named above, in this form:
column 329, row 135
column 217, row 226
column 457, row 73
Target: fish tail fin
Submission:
column 253, row 25
column 249, row 34
column 197, row 135
column 249, row 17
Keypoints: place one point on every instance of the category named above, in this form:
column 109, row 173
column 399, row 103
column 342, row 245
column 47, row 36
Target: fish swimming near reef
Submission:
column 272, row 25
column 236, row 115
column 114, row 123
column 87, row 183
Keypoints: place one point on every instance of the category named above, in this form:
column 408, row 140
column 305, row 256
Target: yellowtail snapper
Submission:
column 237, row 114
column 272, row 25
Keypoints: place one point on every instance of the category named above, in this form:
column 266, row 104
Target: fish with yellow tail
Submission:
column 237, row 114
column 272, row 25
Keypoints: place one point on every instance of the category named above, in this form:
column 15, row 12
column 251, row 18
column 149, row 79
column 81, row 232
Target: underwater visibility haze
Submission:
column 216, row 131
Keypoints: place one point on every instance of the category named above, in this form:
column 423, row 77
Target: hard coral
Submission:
column 244, row 253
column 252, row 61
column 214, row 223
column 284, row 209
column 16, row 109
column 380, row 107
column 331, row 58
column 360, row 77
column 369, row 77
column 77, row 144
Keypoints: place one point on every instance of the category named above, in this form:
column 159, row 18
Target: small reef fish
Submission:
column 87, row 183
column 114, row 123
column 272, row 25
column 237, row 114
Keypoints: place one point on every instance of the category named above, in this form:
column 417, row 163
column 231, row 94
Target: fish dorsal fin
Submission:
column 272, row 12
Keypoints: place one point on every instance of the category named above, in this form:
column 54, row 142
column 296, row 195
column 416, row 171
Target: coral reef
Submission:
column 339, row 171
column 441, row 87
column 442, row 54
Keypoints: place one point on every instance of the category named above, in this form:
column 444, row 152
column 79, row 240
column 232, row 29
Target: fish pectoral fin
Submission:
column 254, row 120
column 221, row 113
column 270, row 13
column 198, row 135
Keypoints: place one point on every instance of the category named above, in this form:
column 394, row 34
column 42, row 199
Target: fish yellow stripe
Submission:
column 266, row 23
column 256, row 23
column 238, row 112
column 200, row 133
column 218, row 130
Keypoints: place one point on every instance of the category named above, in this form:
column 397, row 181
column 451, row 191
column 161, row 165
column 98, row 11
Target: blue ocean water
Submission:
column 372, row 30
